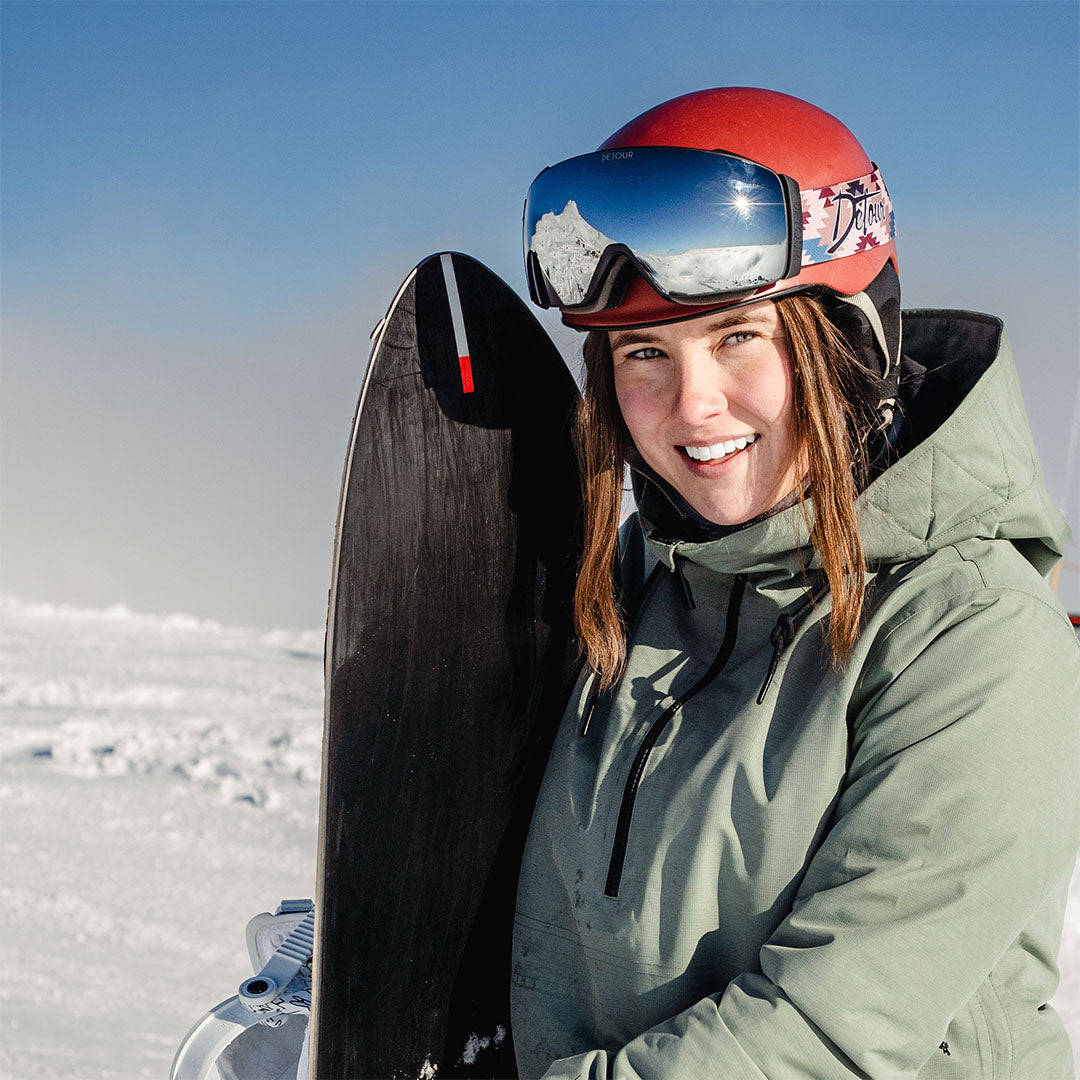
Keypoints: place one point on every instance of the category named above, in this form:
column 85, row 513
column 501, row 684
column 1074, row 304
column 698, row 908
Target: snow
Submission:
column 158, row 787
column 476, row 1043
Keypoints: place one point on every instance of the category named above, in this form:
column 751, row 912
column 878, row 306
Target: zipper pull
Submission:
column 783, row 634
column 781, row 637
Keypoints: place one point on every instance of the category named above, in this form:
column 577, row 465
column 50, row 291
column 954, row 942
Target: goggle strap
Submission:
column 847, row 218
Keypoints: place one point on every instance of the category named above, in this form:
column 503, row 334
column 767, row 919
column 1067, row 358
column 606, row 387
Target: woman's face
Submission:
column 708, row 403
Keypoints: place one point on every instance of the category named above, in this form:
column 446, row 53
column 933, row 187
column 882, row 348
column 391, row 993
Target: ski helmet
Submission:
column 679, row 213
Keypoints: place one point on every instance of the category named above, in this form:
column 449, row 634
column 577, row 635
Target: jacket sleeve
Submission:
column 958, row 816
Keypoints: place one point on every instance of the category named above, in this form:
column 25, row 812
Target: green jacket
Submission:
column 866, row 873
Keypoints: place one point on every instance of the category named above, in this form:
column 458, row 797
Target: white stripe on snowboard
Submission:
column 458, row 319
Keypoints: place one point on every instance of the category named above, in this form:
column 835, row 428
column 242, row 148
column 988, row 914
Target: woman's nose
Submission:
column 699, row 391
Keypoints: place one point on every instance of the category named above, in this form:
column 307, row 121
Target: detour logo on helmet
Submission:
column 846, row 219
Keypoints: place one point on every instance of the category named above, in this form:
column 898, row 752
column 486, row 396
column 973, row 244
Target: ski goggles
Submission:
column 696, row 224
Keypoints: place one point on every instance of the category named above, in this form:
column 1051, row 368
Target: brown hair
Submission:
column 832, row 414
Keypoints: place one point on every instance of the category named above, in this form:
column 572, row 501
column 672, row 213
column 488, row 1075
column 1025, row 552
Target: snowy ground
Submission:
column 158, row 786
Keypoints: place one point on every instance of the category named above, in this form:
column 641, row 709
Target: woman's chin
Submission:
column 727, row 512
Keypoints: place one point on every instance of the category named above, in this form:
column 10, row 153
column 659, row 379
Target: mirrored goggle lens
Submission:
column 697, row 222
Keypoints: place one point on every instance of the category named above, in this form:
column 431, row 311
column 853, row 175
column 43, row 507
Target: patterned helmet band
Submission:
column 846, row 218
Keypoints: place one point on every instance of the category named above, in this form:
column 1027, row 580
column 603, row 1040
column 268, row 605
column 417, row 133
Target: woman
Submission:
column 812, row 809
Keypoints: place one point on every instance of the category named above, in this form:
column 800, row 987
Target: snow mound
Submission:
column 120, row 613
column 234, row 711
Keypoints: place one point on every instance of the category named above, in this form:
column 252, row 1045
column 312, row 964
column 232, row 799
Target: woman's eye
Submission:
column 648, row 353
column 740, row 337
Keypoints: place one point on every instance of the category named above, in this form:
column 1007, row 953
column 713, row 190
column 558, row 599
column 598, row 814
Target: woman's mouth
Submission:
column 718, row 451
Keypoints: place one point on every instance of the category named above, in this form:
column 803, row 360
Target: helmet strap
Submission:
column 888, row 344
column 871, row 321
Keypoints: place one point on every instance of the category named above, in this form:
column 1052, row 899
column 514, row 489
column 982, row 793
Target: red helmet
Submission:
column 806, row 148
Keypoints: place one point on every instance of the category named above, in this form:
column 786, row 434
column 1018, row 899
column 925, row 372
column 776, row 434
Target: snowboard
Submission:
column 449, row 659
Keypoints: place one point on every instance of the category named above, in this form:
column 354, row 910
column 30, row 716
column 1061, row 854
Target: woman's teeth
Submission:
column 718, row 450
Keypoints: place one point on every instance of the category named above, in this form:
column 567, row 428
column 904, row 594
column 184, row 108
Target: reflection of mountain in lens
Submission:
column 700, row 271
column 569, row 249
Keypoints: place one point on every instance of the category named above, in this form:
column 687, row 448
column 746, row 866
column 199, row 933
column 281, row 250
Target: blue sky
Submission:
column 206, row 206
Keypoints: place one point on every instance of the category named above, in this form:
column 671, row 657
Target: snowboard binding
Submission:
column 278, row 997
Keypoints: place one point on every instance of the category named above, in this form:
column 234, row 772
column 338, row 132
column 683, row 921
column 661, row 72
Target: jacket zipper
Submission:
column 626, row 809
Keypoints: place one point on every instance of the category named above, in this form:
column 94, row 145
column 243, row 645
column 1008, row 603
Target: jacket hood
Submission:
column 969, row 469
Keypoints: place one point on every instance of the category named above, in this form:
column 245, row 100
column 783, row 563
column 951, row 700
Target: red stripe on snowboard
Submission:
column 466, row 374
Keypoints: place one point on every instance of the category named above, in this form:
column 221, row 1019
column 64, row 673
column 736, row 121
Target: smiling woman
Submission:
column 708, row 404
column 787, row 386
column 812, row 810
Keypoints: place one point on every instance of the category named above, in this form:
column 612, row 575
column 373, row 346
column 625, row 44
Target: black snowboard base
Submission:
column 448, row 661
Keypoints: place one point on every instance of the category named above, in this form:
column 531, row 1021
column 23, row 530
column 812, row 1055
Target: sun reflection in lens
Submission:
column 743, row 205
